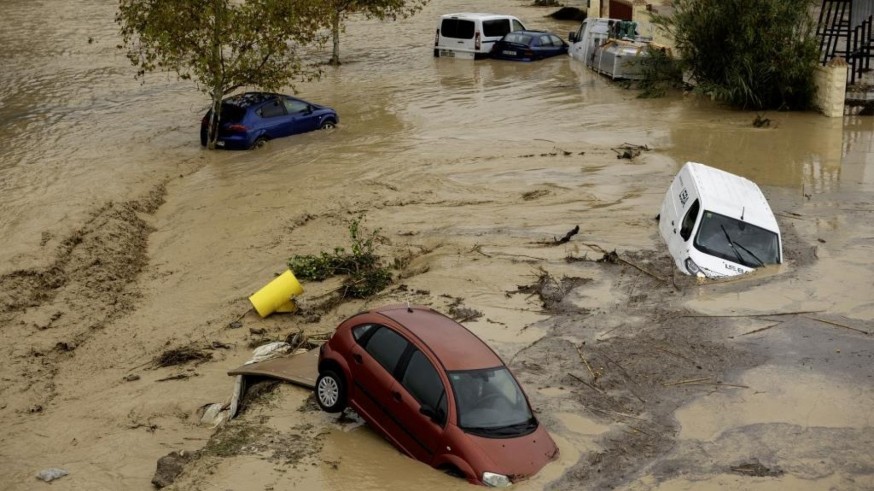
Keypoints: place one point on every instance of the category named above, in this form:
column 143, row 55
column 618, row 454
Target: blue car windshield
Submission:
column 737, row 241
column 490, row 403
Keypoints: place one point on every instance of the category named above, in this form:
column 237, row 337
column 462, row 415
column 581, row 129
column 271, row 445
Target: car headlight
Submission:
column 495, row 480
column 693, row 268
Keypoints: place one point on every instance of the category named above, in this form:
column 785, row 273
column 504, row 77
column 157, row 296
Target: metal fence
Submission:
column 845, row 29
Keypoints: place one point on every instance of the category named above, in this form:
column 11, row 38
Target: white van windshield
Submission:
column 737, row 241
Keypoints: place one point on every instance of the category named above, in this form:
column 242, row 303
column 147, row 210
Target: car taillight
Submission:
column 237, row 128
column 477, row 42
column 205, row 120
column 437, row 38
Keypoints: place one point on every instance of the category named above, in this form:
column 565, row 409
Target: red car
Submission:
column 436, row 391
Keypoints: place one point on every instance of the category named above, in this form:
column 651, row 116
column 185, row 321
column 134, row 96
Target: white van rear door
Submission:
column 456, row 35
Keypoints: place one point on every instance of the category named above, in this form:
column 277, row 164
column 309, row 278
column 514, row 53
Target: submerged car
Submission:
column 251, row 119
column 436, row 391
column 718, row 224
column 528, row 46
column 470, row 36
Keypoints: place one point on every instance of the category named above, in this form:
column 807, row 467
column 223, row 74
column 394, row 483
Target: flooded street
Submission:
column 122, row 238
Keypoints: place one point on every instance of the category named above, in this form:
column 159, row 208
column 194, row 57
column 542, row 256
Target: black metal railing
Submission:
column 859, row 49
column 833, row 28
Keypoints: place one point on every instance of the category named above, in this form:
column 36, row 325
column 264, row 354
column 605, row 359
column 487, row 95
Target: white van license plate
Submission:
column 509, row 53
column 447, row 53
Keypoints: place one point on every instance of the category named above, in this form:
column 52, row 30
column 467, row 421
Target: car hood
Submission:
column 518, row 457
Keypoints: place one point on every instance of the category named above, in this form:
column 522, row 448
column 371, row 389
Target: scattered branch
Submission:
column 773, row 314
column 585, row 362
column 597, row 248
column 580, row 380
column 567, row 236
column 762, row 328
column 836, row 324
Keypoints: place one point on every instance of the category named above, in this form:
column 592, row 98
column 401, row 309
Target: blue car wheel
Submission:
column 259, row 142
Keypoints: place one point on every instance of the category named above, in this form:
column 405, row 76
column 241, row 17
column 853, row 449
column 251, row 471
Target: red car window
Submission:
column 423, row 382
column 386, row 346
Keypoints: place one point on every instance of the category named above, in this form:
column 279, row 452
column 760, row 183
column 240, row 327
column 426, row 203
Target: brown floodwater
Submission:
column 436, row 149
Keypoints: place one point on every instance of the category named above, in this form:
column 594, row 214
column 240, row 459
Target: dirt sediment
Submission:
column 90, row 283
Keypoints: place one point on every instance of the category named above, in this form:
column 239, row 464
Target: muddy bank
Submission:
column 49, row 313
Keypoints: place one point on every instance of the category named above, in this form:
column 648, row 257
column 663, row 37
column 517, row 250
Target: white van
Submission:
column 471, row 36
column 718, row 224
column 611, row 47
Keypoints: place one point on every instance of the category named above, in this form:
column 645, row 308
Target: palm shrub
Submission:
column 754, row 55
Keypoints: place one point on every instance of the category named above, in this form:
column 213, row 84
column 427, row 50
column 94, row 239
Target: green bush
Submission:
column 661, row 72
column 753, row 55
column 365, row 275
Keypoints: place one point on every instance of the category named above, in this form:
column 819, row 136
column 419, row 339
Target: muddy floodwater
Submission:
column 121, row 238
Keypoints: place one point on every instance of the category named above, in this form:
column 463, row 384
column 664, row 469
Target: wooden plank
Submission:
column 301, row 369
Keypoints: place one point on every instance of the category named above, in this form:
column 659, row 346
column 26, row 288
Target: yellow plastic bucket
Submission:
column 277, row 295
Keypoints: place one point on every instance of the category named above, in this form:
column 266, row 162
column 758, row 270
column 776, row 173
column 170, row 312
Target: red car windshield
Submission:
column 490, row 403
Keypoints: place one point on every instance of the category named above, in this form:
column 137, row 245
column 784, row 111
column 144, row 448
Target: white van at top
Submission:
column 470, row 35
column 718, row 224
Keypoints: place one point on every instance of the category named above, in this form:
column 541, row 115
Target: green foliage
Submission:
column 339, row 10
column 754, row 55
column 365, row 275
column 661, row 72
column 221, row 45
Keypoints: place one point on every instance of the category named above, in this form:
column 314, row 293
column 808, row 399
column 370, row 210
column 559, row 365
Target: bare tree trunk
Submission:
column 216, row 90
column 335, row 31
column 212, row 132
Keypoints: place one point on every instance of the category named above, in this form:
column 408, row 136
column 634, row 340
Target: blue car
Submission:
column 528, row 46
column 249, row 120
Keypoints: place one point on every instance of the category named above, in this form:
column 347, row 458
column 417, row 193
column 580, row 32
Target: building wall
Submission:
column 619, row 9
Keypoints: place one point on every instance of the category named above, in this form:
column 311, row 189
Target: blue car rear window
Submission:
column 517, row 38
column 232, row 113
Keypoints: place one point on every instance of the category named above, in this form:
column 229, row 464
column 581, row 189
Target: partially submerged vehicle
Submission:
column 436, row 391
column 718, row 224
column 469, row 35
column 251, row 119
column 528, row 46
column 611, row 47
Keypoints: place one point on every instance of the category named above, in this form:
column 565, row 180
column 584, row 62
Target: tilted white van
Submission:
column 718, row 224
column 470, row 35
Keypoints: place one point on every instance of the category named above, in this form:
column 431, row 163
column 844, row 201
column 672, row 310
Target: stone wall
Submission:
column 831, row 86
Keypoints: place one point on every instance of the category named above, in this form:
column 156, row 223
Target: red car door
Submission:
column 418, row 402
column 372, row 366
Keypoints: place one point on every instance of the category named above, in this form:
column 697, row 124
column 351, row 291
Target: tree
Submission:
column 221, row 45
column 339, row 10
column 756, row 55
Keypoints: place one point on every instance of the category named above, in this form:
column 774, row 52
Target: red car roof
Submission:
column 453, row 344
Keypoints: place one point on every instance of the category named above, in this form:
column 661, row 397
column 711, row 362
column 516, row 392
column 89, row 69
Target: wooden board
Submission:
column 301, row 369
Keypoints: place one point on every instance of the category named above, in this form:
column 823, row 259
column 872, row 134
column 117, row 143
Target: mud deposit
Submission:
column 127, row 255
